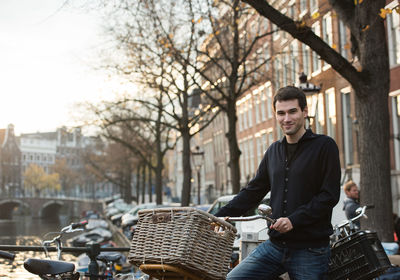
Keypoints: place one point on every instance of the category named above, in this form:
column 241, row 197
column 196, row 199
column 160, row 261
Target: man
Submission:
column 350, row 203
column 302, row 171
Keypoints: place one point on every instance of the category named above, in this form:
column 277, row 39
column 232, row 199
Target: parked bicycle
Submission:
column 356, row 254
column 57, row 269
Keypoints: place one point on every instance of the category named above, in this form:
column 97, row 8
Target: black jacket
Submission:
column 304, row 189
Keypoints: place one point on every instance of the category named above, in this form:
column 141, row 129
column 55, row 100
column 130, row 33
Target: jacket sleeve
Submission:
column 249, row 196
column 323, row 202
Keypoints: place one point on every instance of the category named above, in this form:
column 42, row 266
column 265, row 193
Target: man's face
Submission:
column 353, row 192
column 290, row 117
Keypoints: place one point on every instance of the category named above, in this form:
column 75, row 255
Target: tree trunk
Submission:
column 187, row 170
column 372, row 108
column 137, row 183
column 149, row 185
column 159, row 168
column 374, row 164
column 143, row 183
column 234, row 150
column 127, row 185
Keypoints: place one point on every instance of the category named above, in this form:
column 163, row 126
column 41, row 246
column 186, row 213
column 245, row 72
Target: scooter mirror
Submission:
column 264, row 209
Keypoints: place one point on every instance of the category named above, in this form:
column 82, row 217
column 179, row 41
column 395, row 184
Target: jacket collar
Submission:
column 308, row 135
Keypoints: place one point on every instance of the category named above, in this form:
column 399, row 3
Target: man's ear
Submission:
column 305, row 112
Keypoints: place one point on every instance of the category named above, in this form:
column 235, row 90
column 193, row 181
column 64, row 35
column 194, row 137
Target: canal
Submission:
column 23, row 230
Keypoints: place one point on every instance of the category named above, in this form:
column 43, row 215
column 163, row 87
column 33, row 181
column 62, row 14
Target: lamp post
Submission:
column 198, row 158
column 309, row 89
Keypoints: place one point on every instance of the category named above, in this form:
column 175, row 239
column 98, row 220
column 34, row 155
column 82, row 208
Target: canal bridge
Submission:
column 47, row 207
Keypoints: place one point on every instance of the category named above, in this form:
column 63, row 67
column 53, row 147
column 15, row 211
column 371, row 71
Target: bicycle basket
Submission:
column 359, row 256
column 185, row 238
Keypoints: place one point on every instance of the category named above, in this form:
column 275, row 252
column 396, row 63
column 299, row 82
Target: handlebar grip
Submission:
column 80, row 224
column 7, row 255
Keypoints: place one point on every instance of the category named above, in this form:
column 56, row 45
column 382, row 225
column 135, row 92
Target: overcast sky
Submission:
column 45, row 63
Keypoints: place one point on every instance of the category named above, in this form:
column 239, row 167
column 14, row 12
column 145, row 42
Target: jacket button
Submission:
column 284, row 211
column 286, row 179
column 287, row 168
column 285, row 201
column 285, row 190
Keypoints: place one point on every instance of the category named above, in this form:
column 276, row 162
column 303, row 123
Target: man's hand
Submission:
column 282, row 225
column 217, row 227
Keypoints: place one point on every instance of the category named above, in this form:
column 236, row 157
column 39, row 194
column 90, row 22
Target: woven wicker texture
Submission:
column 183, row 237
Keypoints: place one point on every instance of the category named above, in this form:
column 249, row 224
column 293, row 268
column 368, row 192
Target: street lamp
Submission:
column 198, row 158
column 309, row 89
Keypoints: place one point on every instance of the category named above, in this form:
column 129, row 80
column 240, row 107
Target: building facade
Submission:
column 331, row 108
column 10, row 163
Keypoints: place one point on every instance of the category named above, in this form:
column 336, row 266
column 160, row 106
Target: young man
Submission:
column 302, row 171
column 350, row 203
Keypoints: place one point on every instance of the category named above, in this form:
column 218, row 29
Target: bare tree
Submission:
column 371, row 85
column 112, row 162
column 150, row 35
column 230, row 62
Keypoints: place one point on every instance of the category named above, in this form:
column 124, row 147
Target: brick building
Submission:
column 332, row 108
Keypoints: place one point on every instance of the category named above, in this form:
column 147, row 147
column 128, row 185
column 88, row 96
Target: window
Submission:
column 303, row 7
column 275, row 34
column 306, row 59
column 313, row 6
column 249, row 112
column 251, row 155
column 315, row 58
column 267, row 57
column 244, row 115
column 327, row 29
column 257, row 107
column 263, row 97
column 393, row 25
column 319, row 117
column 293, row 61
column 343, row 45
column 286, row 66
column 292, row 11
column 268, row 90
column 347, row 128
column 330, row 109
column 277, row 69
column 242, row 167
column 266, row 24
column 396, row 129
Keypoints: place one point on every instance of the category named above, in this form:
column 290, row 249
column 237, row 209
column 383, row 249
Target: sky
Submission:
column 46, row 64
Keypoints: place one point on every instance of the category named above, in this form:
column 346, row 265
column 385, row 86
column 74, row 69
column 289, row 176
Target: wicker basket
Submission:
column 183, row 237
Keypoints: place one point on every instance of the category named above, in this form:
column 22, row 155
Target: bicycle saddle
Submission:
column 109, row 258
column 43, row 267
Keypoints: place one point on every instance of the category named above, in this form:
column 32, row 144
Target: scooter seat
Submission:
column 46, row 267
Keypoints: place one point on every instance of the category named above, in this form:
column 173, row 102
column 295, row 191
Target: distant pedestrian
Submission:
column 351, row 202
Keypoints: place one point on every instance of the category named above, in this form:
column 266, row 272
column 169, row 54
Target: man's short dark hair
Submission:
column 290, row 93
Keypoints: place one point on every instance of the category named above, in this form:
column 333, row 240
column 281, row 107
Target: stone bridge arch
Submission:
column 8, row 206
column 43, row 207
column 51, row 209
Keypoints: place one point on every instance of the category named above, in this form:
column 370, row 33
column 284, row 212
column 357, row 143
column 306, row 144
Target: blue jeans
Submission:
column 268, row 261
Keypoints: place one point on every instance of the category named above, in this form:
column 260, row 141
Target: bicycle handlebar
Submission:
column 352, row 220
column 74, row 227
column 7, row 255
column 250, row 218
column 17, row 248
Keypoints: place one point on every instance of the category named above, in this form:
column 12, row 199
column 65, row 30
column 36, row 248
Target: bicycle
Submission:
column 356, row 254
column 57, row 269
